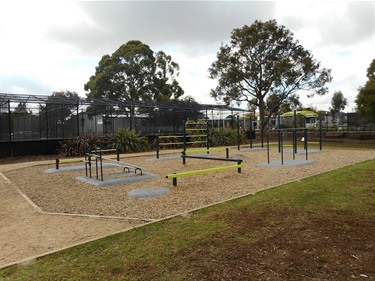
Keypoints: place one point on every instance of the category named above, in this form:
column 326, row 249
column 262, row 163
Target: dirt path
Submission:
column 25, row 231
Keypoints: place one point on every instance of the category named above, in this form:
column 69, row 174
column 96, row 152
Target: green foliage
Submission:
column 225, row 136
column 366, row 97
column 338, row 102
column 133, row 73
column 264, row 59
column 78, row 145
column 128, row 141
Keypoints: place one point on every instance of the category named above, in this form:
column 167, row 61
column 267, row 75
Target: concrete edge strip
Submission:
column 39, row 210
column 24, row 196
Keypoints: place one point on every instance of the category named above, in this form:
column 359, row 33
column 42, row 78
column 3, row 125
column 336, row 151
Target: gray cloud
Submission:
column 191, row 26
column 24, row 85
column 349, row 25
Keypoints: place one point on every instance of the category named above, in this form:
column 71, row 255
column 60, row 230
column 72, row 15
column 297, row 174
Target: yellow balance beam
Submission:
column 190, row 151
column 104, row 150
column 70, row 160
column 191, row 173
column 188, row 142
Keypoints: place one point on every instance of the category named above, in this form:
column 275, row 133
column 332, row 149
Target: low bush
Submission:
column 128, row 141
column 78, row 145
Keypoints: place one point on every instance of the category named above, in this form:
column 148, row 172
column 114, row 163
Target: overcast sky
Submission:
column 56, row 45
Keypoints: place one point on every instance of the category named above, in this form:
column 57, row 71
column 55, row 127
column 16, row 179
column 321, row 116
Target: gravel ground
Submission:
column 42, row 212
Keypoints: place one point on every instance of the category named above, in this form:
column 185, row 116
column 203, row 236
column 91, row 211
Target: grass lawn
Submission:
column 322, row 227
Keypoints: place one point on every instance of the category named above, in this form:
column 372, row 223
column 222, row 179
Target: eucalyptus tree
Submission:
column 338, row 104
column 366, row 96
column 264, row 59
column 133, row 73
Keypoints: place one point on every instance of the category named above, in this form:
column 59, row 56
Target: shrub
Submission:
column 78, row 145
column 225, row 136
column 128, row 141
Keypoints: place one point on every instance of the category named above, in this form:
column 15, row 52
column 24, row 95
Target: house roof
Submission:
column 305, row 113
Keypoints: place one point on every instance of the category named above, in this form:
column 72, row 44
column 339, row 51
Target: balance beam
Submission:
column 190, row 151
column 118, row 163
column 58, row 161
column 175, row 143
column 174, row 176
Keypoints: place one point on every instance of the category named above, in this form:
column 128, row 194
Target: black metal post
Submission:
column 305, row 137
column 320, row 132
column 238, row 133
column 295, row 133
column 157, row 147
column 251, row 133
column 282, row 148
column 268, row 148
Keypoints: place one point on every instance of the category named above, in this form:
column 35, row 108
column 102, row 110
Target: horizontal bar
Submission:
column 190, row 142
column 206, row 149
column 190, row 173
column 211, row 158
column 70, row 160
column 165, row 137
column 187, row 136
column 104, row 150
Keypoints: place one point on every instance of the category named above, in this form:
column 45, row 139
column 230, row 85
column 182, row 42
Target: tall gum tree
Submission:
column 133, row 73
column 263, row 59
column 366, row 96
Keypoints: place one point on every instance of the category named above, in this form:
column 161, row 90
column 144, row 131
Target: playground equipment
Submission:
column 174, row 176
column 193, row 127
column 295, row 114
column 208, row 150
column 99, row 164
column 281, row 133
column 71, row 160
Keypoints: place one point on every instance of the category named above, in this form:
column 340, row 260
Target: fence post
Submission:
column 157, row 147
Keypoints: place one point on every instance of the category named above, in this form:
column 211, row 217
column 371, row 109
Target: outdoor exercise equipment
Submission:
column 281, row 140
column 174, row 176
column 295, row 114
column 71, row 160
column 208, row 150
column 99, row 164
column 191, row 126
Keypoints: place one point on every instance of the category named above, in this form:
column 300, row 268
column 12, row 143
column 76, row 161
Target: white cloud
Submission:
column 340, row 35
column 49, row 46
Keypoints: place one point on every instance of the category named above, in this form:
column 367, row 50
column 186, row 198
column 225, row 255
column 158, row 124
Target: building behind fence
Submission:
column 35, row 124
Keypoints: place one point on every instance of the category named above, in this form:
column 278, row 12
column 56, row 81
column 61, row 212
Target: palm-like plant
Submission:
column 128, row 141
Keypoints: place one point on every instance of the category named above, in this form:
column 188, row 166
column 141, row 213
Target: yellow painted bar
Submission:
column 165, row 137
column 190, row 173
column 190, row 151
column 104, row 150
column 188, row 142
column 71, row 160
